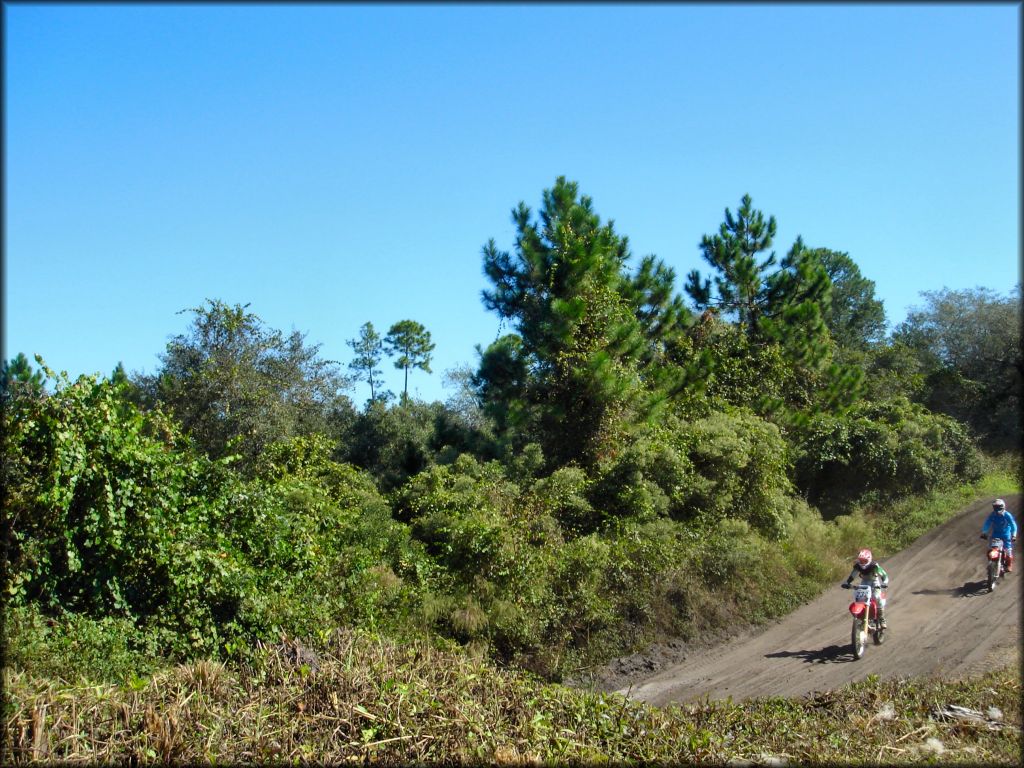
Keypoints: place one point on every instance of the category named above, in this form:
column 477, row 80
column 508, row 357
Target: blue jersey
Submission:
column 1002, row 526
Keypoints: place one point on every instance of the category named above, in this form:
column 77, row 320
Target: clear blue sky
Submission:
column 337, row 164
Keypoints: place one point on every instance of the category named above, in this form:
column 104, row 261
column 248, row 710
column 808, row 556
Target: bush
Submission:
column 76, row 648
column 562, row 496
column 106, row 510
column 741, row 464
column 886, row 449
column 643, row 483
column 113, row 515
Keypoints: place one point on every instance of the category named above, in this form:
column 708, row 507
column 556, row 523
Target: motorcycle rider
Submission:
column 869, row 569
column 1000, row 525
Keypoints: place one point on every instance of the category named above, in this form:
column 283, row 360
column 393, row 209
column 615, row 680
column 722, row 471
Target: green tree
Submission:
column 855, row 318
column 764, row 296
column 571, row 375
column 237, row 386
column 784, row 303
column 968, row 344
column 733, row 253
column 410, row 341
column 502, row 379
column 368, row 349
column 393, row 443
column 661, row 311
column 17, row 375
column 119, row 377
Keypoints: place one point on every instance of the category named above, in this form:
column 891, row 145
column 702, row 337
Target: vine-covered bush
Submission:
column 104, row 510
column 111, row 513
column 886, row 449
column 729, row 465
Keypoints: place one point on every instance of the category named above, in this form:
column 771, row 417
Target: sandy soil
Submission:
column 942, row 621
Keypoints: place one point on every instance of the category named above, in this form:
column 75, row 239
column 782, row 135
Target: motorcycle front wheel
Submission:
column 859, row 638
column 993, row 572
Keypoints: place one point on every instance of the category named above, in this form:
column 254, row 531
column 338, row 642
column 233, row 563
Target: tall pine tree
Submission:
column 776, row 303
column 368, row 349
column 573, row 374
column 410, row 341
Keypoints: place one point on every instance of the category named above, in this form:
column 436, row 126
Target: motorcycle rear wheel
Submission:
column 879, row 636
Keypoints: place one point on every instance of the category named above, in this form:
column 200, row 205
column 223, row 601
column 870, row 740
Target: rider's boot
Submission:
column 1009, row 563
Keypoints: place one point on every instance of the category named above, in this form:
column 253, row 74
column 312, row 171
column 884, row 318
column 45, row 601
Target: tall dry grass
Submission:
column 369, row 700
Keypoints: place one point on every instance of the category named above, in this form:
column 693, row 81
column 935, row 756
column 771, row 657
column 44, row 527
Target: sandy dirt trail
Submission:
column 941, row 618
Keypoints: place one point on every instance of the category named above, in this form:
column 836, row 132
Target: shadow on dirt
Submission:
column 968, row 589
column 832, row 654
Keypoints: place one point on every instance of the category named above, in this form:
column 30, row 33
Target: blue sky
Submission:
column 333, row 164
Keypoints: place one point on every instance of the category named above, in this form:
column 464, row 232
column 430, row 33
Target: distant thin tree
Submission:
column 368, row 348
column 410, row 341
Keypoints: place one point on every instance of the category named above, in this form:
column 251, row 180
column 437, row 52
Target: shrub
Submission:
column 643, row 482
column 113, row 515
column 887, row 449
column 740, row 465
column 77, row 648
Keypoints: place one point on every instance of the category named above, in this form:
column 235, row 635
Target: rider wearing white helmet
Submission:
column 870, row 569
column 1000, row 525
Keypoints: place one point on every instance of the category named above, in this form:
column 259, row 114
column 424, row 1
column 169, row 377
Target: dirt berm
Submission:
column 942, row 622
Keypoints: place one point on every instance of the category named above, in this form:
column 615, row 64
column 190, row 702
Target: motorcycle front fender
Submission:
column 857, row 609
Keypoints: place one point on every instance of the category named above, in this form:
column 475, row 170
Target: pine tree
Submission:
column 368, row 349
column 741, row 280
column 782, row 303
column 573, row 374
column 17, row 377
column 411, row 342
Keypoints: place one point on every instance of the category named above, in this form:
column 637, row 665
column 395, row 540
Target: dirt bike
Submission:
column 996, row 562
column 864, row 609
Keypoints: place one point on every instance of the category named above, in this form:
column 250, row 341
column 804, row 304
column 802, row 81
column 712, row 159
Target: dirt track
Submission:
column 942, row 621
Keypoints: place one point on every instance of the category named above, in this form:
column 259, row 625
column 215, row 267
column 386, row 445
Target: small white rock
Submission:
column 887, row 712
column 934, row 746
column 995, row 713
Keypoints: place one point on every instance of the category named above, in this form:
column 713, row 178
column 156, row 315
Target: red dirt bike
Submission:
column 996, row 562
column 864, row 609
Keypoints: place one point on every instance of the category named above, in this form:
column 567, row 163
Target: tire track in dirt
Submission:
column 941, row 621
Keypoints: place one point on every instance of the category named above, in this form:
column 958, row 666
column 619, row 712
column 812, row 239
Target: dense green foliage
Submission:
column 236, row 386
column 966, row 346
column 890, row 448
column 614, row 468
column 114, row 513
column 571, row 377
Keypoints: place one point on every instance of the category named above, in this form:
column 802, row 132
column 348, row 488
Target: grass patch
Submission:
column 370, row 700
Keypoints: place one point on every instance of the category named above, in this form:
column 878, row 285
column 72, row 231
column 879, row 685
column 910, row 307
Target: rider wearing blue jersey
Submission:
column 1001, row 525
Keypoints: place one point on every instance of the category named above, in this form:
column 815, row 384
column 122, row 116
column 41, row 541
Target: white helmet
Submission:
column 999, row 505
